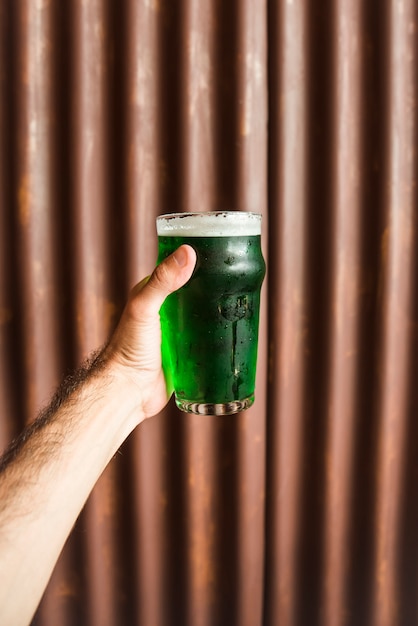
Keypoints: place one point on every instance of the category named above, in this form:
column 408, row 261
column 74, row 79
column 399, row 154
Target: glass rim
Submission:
column 252, row 214
column 209, row 224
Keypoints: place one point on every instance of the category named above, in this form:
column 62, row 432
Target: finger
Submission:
column 170, row 275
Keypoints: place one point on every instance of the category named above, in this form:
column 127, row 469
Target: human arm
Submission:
column 48, row 473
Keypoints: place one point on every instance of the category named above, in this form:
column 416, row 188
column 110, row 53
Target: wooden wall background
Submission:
column 304, row 510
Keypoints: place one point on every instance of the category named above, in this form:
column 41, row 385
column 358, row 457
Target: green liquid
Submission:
column 210, row 326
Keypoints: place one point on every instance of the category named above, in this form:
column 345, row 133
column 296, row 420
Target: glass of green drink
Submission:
column 210, row 326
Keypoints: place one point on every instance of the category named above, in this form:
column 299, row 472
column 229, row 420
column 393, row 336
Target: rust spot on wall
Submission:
column 24, row 199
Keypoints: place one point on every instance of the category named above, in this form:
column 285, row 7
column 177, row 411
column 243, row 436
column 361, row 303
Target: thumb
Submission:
column 168, row 276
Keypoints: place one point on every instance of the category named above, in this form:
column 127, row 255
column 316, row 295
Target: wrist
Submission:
column 142, row 374
column 122, row 394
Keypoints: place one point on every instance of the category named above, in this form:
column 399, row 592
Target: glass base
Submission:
column 228, row 408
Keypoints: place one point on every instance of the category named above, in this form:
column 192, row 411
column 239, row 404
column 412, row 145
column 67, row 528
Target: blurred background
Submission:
column 304, row 509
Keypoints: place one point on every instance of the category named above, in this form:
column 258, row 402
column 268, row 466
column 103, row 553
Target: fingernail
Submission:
column 180, row 256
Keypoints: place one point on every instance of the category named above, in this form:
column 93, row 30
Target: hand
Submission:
column 135, row 348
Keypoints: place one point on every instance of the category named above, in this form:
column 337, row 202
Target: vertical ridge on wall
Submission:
column 197, row 96
column 202, row 601
column 251, row 106
column 345, row 302
column 318, row 246
column 287, row 306
column 145, row 171
column 91, row 160
column 397, row 291
column 35, row 195
column 9, row 405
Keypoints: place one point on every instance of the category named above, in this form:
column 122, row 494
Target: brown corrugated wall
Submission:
column 303, row 510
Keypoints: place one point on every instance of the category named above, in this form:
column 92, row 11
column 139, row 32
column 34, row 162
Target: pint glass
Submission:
column 210, row 326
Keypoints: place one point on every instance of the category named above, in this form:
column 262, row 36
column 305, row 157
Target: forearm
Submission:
column 44, row 488
column 47, row 475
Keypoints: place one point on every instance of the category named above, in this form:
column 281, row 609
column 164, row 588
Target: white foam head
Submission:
column 216, row 224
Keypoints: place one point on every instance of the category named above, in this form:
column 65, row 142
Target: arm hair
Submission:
column 21, row 446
